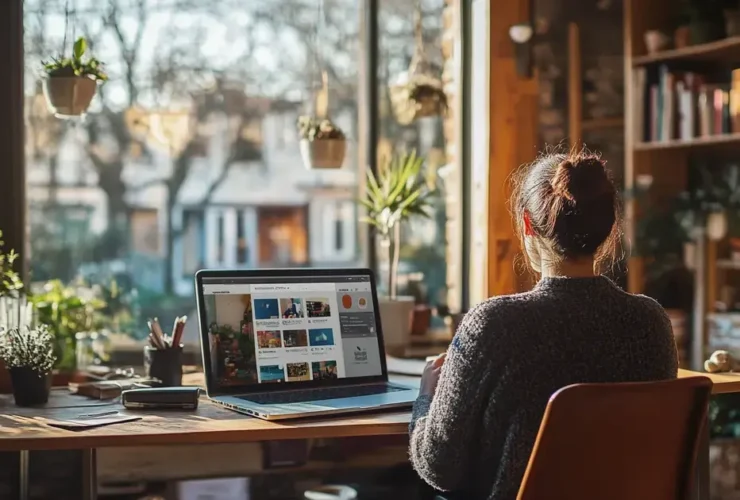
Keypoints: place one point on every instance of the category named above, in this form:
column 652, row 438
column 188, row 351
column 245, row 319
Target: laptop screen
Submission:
column 266, row 330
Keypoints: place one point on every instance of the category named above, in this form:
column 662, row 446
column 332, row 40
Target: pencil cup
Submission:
column 164, row 365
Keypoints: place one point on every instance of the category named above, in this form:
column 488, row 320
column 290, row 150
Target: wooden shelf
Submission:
column 681, row 144
column 602, row 123
column 728, row 264
column 725, row 50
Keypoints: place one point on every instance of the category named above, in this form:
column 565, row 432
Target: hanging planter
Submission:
column 323, row 144
column 421, row 92
column 71, row 83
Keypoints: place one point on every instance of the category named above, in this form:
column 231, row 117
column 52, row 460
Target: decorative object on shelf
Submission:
column 655, row 41
column 682, row 37
column 71, row 82
column 731, row 14
column 717, row 225
column 705, row 19
column 29, row 355
column 67, row 310
column 397, row 193
column 323, row 144
column 521, row 34
column 721, row 362
column 420, row 92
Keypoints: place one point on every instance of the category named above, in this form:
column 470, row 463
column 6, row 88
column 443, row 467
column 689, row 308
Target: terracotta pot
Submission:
column 421, row 320
column 323, row 153
column 30, row 388
column 69, row 96
column 682, row 37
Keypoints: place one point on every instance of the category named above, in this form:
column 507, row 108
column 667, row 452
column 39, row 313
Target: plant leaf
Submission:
column 80, row 47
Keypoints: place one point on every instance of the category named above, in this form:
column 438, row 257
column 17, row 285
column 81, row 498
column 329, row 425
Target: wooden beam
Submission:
column 12, row 171
column 575, row 86
column 512, row 141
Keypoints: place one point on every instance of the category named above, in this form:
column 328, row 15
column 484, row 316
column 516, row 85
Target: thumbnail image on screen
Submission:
column 318, row 307
column 298, row 372
column 324, row 370
column 295, row 338
column 269, row 339
column 272, row 373
column 291, row 308
column 319, row 337
column 266, row 309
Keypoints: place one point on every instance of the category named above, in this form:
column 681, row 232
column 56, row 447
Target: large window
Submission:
column 404, row 45
column 189, row 156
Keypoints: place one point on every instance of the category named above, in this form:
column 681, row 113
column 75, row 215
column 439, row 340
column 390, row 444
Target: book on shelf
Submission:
column 679, row 105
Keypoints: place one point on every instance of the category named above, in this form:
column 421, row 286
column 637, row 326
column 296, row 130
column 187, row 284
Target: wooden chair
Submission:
column 625, row 441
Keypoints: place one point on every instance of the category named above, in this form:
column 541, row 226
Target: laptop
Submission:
column 290, row 343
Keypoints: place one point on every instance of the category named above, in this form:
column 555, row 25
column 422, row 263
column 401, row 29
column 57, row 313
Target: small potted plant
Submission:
column 323, row 144
column 71, row 82
column 422, row 95
column 396, row 194
column 29, row 355
column 705, row 20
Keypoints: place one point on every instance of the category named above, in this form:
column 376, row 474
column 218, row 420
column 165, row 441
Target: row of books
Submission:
column 674, row 105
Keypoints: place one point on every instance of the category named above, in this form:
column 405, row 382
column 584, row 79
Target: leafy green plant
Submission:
column 67, row 310
column 10, row 281
column 397, row 193
column 76, row 66
column 313, row 129
column 27, row 347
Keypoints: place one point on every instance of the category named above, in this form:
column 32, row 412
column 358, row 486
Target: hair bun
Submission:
column 582, row 180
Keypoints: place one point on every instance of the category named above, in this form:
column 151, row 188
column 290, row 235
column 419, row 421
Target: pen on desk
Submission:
column 96, row 415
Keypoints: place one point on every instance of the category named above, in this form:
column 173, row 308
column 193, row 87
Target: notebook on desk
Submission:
column 294, row 343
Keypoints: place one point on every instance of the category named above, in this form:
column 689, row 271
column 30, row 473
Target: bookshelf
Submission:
column 680, row 104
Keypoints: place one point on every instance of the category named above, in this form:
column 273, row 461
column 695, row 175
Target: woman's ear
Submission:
column 528, row 230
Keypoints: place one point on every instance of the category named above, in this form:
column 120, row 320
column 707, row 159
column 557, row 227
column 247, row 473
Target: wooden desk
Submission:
column 27, row 429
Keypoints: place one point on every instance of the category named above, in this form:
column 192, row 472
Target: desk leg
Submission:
column 702, row 466
column 24, row 482
column 89, row 474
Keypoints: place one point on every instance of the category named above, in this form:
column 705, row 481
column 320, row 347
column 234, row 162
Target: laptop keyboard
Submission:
column 275, row 398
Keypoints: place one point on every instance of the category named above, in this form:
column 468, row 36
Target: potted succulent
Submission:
column 29, row 355
column 323, row 144
column 397, row 193
column 71, row 82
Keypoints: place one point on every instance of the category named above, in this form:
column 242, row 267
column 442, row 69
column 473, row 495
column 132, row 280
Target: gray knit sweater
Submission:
column 510, row 354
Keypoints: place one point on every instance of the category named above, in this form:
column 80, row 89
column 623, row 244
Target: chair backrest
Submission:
column 622, row 441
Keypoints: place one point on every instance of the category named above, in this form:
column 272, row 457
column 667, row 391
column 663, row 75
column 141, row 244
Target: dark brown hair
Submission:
column 572, row 204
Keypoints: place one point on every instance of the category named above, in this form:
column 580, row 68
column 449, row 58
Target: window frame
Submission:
column 13, row 216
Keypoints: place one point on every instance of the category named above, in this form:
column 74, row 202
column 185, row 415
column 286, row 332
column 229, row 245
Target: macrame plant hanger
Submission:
column 322, row 152
column 421, row 94
column 68, row 95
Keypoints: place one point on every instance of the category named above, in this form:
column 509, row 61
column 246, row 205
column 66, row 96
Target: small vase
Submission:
column 732, row 22
column 682, row 37
column 30, row 387
column 717, row 226
column 655, row 41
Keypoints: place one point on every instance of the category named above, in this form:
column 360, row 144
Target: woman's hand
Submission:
column 430, row 377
